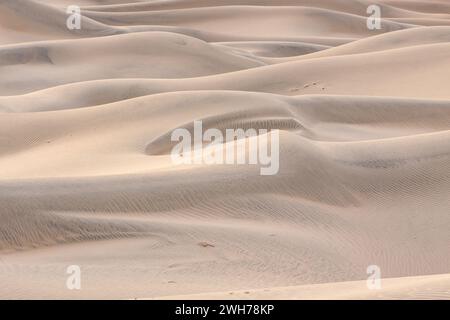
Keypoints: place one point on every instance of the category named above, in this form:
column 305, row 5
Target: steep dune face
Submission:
column 87, row 178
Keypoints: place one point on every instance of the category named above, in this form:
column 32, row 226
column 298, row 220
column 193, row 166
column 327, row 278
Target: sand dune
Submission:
column 435, row 7
column 425, row 287
column 391, row 8
column 254, row 21
column 29, row 20
column 86, row 118
column 276, row 48
column 393, row 40
column 304, row 76
column 120, row 56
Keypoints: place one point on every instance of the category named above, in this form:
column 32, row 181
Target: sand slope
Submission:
column 425, row 287
column 86, row 176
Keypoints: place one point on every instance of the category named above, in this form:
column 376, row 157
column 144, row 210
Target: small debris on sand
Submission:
column 205, row 244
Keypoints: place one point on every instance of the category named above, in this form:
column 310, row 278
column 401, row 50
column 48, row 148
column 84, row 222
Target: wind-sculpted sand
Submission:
column 87, row 179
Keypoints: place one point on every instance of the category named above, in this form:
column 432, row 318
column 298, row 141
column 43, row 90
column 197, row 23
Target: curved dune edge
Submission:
column 383, row 70
column 420, row 287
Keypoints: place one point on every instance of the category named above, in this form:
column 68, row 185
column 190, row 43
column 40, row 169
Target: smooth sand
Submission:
column 86, row 177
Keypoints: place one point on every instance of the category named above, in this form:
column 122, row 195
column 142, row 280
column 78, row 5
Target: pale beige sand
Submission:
column 424, row 287
column 86, row 177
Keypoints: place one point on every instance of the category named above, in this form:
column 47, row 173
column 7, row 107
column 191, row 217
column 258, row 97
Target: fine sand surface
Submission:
column 86, row 176
column 424, row 287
